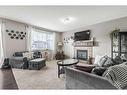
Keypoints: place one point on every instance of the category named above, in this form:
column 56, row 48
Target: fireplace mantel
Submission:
column 89, row 43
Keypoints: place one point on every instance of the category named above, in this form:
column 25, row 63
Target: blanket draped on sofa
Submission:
column 117, row 75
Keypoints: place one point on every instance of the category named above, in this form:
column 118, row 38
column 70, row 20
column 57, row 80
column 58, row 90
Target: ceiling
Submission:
column 51, row 17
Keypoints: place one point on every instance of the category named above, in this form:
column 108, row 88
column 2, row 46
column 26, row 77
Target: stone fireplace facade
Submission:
column 84, row 46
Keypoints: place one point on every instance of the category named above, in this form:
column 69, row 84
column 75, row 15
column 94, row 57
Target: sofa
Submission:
column 85, row 77
column 77, row 79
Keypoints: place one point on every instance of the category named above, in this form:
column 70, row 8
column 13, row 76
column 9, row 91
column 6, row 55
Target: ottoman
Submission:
column 36, row 64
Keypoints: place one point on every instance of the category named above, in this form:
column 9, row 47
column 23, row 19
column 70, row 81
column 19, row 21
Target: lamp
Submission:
column 60, row 44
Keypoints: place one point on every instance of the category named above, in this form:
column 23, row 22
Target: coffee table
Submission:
column 63, row 63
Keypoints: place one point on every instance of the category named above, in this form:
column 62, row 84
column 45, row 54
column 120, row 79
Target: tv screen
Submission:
column 83, row 35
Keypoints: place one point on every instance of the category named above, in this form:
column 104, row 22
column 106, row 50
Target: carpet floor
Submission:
column 46, row 78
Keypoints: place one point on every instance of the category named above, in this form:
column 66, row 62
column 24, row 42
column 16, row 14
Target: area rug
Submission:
column 46, row 78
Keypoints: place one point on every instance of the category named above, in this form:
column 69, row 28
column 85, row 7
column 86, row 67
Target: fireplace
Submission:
column 82, row 54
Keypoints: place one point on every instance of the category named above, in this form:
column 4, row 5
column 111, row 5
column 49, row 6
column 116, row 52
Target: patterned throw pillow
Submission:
column 31, row 54
column 109, row 62
column 97, row 59
column 102, row 60
column 118, row 60
column 28, row 55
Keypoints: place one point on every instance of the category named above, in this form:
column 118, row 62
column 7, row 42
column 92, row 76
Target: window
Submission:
column 42, row 40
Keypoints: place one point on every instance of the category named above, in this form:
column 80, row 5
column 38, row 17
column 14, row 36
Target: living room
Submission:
column 46, row 36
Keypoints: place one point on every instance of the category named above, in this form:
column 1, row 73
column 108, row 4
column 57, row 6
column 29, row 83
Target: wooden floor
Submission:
column 7, row 80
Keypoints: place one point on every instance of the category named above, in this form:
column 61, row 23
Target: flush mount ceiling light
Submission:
column 67, row 20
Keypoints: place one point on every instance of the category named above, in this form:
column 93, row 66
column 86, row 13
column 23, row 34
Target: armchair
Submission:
column 18, row 61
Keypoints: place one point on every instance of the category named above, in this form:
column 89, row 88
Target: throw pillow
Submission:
column 123, row 57
column 102, row 60
column 109, row 62
column 84, row 68
column 31, row 55
column 27, row 55
column 117, row 60
column 97, row 58
column 98, row 70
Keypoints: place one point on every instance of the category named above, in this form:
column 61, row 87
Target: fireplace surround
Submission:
column 82, row 54
column 86, row 47
column 88, row 54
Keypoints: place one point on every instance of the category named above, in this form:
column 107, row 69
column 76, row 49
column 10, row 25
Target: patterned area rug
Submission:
column 46, row 78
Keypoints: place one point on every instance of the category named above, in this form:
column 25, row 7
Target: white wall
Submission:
column 101, row 32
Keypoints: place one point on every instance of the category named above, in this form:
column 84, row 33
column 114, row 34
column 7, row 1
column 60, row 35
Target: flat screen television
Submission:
column 83, row 35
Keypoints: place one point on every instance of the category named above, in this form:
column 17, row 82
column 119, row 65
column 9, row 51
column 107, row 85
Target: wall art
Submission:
column 68, row 39
column 16, row 34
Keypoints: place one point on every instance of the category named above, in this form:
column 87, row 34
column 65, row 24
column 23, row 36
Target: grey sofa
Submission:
column 77, row 79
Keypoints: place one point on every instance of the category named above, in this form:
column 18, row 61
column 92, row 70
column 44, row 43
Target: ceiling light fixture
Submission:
column 67, row 20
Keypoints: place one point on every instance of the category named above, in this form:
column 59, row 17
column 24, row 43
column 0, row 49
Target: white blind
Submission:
column 42, row 40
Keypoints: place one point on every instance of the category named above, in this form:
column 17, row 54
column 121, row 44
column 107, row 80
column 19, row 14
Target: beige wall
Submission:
column 14, row 45
column 101, row 32
column 58, row 37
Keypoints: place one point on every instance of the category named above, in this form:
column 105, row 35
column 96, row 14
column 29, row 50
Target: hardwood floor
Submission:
column 7, row 80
